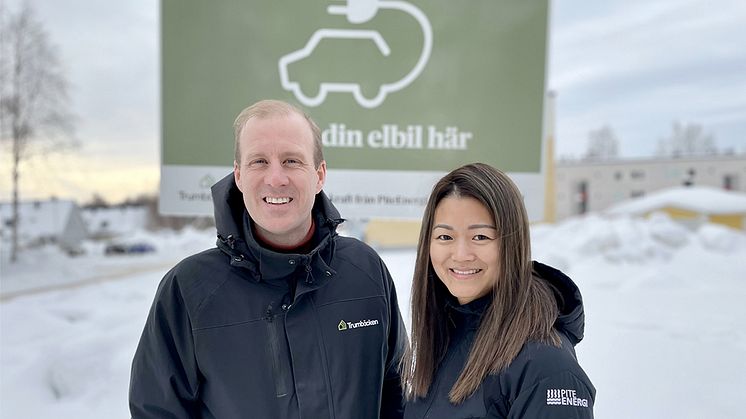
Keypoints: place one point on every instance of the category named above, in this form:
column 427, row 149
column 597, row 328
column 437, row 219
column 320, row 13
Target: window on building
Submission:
column 581, row 197
column 689, row 178
column 636, row 194
column 637, row 174
column 730, row 182
column 618, row 176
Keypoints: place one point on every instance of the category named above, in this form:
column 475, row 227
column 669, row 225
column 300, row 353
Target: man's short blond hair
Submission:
column 271, row 108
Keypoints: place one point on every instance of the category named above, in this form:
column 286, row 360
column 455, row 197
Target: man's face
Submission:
column 277, row 176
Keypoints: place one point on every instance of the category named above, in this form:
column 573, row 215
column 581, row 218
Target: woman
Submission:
column 492, row 332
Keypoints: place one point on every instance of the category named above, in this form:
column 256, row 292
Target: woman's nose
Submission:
column 463, row 251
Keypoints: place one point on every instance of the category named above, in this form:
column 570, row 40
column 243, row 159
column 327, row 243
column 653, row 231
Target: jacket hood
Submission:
column 239, row 242
column 571, row 320
column 228, row 206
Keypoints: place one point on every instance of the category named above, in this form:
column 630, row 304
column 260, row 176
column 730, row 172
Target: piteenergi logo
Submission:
column 564, row 397
column 345, row 325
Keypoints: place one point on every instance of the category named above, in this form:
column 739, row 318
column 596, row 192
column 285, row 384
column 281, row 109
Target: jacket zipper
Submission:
column 279, row 365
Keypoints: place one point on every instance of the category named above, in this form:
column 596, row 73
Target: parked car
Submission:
column 121, row 248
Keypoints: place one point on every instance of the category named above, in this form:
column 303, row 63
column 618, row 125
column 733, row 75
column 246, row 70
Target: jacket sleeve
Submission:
column 392, row 401
column 164, row 381
column 564, row 395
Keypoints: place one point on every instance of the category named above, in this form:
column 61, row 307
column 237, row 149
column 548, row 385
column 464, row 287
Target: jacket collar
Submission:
column 571, row 318
column 469, row 315
column 235, row 237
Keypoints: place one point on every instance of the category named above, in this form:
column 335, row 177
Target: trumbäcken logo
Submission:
column 343, row 325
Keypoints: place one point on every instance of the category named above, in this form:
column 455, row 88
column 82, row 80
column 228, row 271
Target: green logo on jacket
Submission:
column 343, row 325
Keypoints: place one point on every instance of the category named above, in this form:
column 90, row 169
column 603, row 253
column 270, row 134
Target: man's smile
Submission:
column 277, row 200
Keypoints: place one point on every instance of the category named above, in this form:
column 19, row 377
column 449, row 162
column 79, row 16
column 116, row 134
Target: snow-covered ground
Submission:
column 665, row 334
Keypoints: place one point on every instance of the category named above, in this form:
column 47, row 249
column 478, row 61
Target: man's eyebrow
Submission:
column 293, row 153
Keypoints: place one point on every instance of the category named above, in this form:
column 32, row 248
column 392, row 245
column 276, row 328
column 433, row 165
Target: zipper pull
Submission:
column 268, row 313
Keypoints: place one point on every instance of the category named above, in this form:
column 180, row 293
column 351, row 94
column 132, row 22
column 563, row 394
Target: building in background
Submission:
column 689, row 205
column 583, row 186
column 43, row 222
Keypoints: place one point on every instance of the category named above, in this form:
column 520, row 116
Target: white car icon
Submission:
column 357, row 11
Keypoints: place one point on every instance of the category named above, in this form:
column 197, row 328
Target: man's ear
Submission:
column 237, row 174
column 321, row 172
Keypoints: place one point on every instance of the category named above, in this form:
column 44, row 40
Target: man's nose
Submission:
column 276, row 177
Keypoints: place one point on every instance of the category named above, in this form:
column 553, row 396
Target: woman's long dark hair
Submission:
column 523, row 306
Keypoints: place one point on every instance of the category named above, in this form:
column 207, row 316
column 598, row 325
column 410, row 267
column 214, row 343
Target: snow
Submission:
column 38, row 219
column 699, row 199
column 665, row 333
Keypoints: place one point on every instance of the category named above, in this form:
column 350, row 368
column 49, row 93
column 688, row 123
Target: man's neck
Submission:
column 286, row 247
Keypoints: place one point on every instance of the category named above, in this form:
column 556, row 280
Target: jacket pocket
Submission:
column 275, row 332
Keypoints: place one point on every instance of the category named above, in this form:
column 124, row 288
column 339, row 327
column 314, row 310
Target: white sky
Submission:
column 635, row 65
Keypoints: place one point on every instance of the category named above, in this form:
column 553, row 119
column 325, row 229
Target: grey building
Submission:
column 583, row 186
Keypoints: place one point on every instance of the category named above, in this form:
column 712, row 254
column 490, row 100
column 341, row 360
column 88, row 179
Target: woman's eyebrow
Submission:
column 476, row 226
column 471, row 227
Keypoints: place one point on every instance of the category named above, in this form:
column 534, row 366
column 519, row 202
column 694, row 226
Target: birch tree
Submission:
column 687, row 140
column 34, row 104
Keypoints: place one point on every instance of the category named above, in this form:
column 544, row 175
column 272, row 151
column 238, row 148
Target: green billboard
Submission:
column 419, row 87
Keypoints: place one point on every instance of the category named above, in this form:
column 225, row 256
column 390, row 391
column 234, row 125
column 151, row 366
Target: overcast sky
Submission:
column 634, row 65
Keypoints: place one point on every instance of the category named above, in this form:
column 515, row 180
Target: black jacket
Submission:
column 543, row 381
column 226, row 339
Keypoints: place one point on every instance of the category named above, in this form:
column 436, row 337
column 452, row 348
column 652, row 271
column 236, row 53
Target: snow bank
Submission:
column 664, row 309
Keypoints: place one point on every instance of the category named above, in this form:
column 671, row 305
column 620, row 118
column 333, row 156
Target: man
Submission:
column 284, row 319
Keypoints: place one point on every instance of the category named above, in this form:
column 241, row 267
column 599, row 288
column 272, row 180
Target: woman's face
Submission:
column 464, row 247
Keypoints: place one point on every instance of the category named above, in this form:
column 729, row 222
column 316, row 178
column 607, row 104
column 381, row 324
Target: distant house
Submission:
column 583, row 186
column 41, row 222
column 690, row 205
column 106, row 223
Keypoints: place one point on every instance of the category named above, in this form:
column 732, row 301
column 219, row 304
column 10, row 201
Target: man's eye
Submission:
column 292, row 162
column 257, row 162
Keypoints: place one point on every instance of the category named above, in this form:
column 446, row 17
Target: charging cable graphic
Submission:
column 358, row 12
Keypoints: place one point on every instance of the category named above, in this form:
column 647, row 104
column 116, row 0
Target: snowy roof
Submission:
column 119, row 220
column 698, row 199
column 39, row 218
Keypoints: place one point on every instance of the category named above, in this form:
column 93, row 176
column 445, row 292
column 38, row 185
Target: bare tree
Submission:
column 687, row 140
column 34, row 104
column 603, row 144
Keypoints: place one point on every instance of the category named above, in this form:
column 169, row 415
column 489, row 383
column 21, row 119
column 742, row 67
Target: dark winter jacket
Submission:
column 226, row 339
column 543, row 381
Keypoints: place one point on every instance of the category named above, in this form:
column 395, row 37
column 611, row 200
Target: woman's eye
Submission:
column 480, row 237
column 443, row 237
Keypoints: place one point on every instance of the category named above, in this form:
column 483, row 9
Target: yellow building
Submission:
column 691, row 206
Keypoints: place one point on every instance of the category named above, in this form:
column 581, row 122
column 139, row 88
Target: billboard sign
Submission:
column 404, row 91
